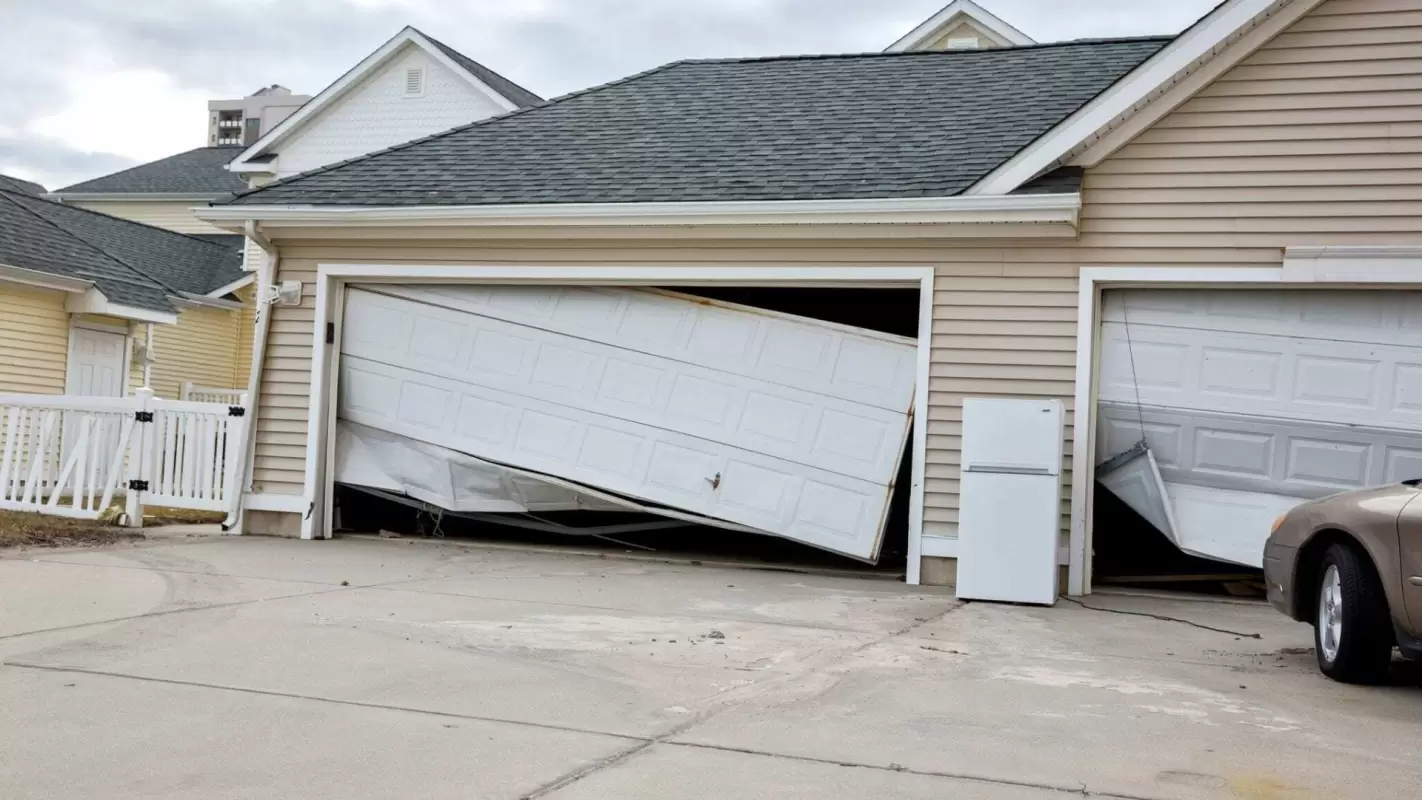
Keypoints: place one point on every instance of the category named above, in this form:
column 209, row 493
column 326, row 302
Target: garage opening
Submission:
column 872, row 331
column 1220, row 409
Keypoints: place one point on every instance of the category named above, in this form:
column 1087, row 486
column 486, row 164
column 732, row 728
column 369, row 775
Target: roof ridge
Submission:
column 931, row 53
column 458, row 128
column 83, row 241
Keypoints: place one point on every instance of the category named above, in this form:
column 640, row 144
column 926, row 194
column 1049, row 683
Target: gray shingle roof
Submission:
column 131, row 263
column 13, row 184
column 200, row 171
column 919, row 124
column 516, row 94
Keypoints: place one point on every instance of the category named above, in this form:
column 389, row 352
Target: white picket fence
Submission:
column 209, row 394
column 72, row 456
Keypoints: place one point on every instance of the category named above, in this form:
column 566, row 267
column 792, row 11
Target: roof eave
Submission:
column 137, row 197
column 1023, row 210
column 42, row 280
column 93, row 301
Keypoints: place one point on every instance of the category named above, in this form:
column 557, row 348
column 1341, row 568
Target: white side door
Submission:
column 96, row 361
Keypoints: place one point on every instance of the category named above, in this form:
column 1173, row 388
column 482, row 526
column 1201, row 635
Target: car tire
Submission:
column 1352, row 625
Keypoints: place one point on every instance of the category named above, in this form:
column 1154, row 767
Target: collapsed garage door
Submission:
column 781, row 424
column 1252, row 401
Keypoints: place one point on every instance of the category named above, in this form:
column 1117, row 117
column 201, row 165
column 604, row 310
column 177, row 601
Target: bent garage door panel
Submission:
column 616, row 399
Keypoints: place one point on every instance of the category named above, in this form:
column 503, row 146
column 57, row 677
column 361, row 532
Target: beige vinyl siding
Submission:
column 205, row 347
column 34, row 336
column 172, row 215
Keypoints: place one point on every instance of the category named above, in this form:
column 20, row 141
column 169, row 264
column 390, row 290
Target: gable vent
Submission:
column 415, row 81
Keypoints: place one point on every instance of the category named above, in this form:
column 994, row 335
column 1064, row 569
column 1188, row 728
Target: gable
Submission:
column 961, row 25
column 379, row 113
column 1315, row 138
column 962, row 33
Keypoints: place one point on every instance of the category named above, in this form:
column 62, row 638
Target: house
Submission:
column 91, row 304
column 961, row 25
column 1213, row 237
column 162, row 192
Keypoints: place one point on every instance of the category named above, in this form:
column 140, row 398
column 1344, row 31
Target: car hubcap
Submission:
column 1330, row 614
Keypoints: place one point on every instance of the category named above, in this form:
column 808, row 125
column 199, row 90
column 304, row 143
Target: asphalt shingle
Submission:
column 130, row 262
column 200, row 171
column 13, row 184
column 516, row 94
column 793, row 128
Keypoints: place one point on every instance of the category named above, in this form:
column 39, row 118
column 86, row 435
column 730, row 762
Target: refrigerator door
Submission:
column 1008, row 534
column 1012, row 436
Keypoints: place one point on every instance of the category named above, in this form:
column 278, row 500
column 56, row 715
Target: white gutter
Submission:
column 190, row 300
column 134, row 197
column 43, row 280
column 1005, row 209
column 265, row 279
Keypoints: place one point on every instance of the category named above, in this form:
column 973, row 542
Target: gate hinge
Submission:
column 236, row 411
column 143, row 416
column 330, row 333
column 138, row 486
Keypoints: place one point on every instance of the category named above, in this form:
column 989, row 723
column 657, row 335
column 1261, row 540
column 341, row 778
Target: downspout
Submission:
column 266, row 278
column 148, row 357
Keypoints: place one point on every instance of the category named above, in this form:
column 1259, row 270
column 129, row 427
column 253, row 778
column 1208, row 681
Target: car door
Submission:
column 1409, row 534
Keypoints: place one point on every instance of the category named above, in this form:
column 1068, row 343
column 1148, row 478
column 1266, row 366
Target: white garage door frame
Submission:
column 333, row 279
column 1363, row 268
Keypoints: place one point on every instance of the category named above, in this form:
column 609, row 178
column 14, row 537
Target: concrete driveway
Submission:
column 223, row 668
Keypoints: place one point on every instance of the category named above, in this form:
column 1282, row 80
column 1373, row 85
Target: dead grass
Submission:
column 153, row 515
column 28, row 529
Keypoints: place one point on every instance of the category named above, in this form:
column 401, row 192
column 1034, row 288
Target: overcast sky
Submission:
column 88, row 87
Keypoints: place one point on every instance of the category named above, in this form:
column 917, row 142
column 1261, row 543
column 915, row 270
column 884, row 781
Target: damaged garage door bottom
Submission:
column 493, row 399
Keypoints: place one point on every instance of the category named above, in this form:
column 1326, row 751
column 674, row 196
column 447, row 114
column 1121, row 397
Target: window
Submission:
column 415, row 82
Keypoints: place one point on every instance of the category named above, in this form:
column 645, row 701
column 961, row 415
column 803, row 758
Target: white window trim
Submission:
column 1303, row 268
column 332, row 280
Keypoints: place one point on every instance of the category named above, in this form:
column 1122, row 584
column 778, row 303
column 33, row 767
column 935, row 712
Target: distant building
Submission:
column 244, row 121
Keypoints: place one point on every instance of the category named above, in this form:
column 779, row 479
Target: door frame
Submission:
column 1363, row 268
column 333, row 278
column 75, row 323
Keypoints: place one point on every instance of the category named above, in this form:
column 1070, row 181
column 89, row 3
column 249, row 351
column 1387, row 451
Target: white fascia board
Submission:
column 93, row 301
column 1009, row 209
column 42, row 280
column 1157, row 72
column 135, row 197
column 333, row 93
column 452, row 65
column 188, row 300
column 223, row 291
column 330, row 94
column 953, row 13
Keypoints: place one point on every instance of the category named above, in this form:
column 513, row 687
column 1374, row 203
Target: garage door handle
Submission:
column 715, row 482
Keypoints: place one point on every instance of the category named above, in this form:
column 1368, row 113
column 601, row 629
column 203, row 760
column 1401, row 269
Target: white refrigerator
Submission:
column 1009, row 515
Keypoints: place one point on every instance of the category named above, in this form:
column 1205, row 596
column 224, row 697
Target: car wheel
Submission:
column 1353, row 631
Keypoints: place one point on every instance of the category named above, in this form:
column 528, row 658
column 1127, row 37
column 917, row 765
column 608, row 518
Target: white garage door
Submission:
column 1254, row 400
column 791, row 426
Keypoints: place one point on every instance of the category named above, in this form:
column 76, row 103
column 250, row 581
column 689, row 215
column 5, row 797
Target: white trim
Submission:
column 233, row 286
column 332, row 277
column 1353, row 264
column 262, row 501
column 188, row 300
column 96, row 325
column 1025, row 208
column 148, row 355
column 344, row 84
column 133, row 197
column 1157, row 72
column 1093, row 280
column 93, row 301
column 953, row 13
column 42, row 280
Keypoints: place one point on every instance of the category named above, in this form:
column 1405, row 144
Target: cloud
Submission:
column 72, row 69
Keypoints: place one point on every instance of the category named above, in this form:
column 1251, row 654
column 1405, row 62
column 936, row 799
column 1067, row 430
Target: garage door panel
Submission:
column 1318, row 379
column 816, row 506
column 1377, row 317
column 1244, row 453
column 839, row 435
column 810, row 355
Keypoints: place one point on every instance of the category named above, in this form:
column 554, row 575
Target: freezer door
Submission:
column 1012, row 436
column 1008, row 534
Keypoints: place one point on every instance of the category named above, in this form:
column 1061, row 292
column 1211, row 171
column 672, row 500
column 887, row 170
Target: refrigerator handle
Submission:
column 1009, row 469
